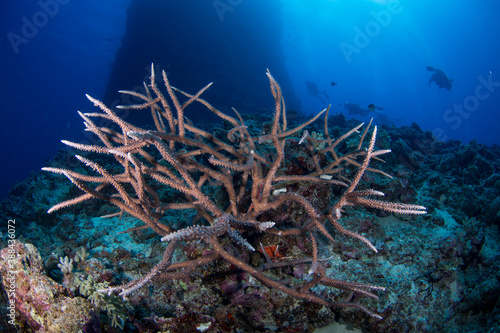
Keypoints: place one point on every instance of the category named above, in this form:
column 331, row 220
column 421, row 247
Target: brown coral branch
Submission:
column 233, row 183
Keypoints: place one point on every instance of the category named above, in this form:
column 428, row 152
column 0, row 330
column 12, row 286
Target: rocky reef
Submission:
column 441, row 270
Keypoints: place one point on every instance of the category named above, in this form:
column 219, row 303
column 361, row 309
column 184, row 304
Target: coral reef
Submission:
column 248, row 172
column 40, row 304
column 440, row 269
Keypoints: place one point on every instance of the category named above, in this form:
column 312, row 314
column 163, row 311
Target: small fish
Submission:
column 373, row 107
column 333, row 83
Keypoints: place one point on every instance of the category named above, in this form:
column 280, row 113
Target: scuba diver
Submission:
column 313, row 90
column 440, row 78
column 356, row 109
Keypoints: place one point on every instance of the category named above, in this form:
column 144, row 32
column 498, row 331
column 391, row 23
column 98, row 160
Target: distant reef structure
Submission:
column 201, row 42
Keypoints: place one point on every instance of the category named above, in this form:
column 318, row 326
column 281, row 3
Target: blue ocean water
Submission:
column 409, row 65
column 376, row 52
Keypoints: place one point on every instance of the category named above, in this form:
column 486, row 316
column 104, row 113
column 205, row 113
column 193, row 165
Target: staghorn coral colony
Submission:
column 257, row 225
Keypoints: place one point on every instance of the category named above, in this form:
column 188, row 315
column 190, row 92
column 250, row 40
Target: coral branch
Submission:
column 247, row 171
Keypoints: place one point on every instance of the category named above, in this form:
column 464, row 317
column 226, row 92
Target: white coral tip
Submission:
column 266, row 225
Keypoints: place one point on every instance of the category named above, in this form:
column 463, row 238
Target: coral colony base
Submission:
column 238, row 186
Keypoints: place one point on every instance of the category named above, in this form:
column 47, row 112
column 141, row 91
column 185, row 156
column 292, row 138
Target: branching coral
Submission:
column 193, row 161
